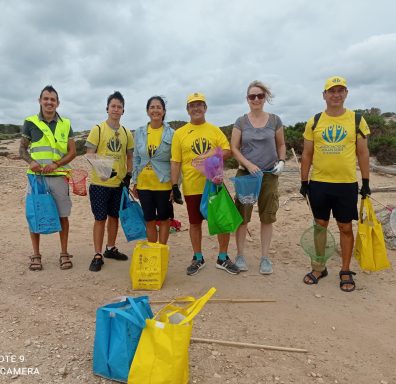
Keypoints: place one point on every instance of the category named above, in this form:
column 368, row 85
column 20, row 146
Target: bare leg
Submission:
column 164, row 231
column 64, row 234
column 35, row 237
column 112, row 229
column 98, row 235
column 265, row 237
column 223, row 240
column 240, row 237
column 346, row 243
column 151, row 230
column 196, row 237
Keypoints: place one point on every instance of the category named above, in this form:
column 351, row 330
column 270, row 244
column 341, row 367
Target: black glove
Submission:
column 365, row 190
column 177, row 196
column 113, row 173
column 126, row 181
column 304, row 188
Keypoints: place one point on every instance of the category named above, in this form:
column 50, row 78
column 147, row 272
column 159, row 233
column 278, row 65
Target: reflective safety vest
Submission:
column 52, row 146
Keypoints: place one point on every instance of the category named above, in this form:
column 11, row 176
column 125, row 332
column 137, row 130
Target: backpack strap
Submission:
column 358, row 119
column 98, row 138
column 126, row 146
column 316, row 119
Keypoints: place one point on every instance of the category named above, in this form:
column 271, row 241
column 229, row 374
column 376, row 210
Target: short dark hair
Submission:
column 49, row 88
column 116, row 95
column 161, row 100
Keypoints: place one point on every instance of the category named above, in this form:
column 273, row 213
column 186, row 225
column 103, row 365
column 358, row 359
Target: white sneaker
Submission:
column 240, row 262
column 265, row 266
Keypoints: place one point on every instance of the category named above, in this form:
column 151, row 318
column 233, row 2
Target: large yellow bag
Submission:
column 162, row 353
column 370, row 250
column 149, row 265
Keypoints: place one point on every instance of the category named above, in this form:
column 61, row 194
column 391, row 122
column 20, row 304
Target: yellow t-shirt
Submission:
column 115, row 144
column 334, row 157
column 147, row 178
column 189, row 142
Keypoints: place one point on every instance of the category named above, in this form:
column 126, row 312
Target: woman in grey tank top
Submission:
column 258, row 144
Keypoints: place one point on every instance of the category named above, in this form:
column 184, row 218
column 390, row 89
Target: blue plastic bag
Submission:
column 118, row 329
column 248, row 187
column 41, row 212
column 209, row 188
column 131, row 217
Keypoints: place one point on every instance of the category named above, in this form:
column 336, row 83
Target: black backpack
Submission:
column 358, row 118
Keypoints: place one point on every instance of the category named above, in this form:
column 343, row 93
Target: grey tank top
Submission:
column 258, row 144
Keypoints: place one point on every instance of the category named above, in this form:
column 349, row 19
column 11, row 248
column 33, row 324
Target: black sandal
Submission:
column 349, row 281
column 314, row 279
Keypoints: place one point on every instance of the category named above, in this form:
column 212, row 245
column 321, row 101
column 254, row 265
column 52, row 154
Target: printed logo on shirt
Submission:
column 334, row 134
column 114, row 144
column 151, row 150
column 200, row 146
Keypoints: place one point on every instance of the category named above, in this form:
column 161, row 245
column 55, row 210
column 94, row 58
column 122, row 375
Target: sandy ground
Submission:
column 47, row 318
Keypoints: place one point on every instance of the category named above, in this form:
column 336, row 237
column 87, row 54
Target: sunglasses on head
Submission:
column 253, row 96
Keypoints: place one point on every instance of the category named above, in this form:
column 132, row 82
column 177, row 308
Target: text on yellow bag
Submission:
column 162, row 353
column 370, row 250
column 149, row 265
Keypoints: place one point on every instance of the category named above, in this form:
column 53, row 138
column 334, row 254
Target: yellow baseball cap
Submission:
column 196, row 97
column 333, row 81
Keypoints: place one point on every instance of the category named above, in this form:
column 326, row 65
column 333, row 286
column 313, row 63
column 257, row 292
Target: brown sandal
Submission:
column 35, row 263
column 67, row 264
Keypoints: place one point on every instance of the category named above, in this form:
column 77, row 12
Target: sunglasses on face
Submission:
column 253, row 96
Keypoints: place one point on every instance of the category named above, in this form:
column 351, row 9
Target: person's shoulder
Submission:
column 184, row 128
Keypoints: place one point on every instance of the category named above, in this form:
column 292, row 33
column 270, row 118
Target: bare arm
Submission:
column 280, row 144
column 362, row 153
column 24, row 154
column 306, row 159
column 235, row 148
column 129, row 161
column 175, row 172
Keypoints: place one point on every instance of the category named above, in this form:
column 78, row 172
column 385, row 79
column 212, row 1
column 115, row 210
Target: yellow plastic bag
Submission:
column 370, row 249
column 162, row 353
column 149, row 265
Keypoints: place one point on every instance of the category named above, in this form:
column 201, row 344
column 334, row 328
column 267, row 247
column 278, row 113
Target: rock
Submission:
column 217, row 376
column 27, row 343
column 318, row 295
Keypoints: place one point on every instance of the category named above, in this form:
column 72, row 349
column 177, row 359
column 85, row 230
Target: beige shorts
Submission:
column 268, row 200
column 59, row 189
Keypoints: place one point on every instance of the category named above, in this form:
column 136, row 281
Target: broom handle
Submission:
column 299, row 168
column 219, row 301
column 248, row 345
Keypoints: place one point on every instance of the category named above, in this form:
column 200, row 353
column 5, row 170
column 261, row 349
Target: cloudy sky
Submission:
column 88, row 48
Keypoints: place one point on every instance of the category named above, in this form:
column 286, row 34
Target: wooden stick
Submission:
column 247, row 345
column 217, row 301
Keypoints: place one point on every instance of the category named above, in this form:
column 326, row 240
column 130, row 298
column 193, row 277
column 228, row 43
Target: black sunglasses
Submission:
column 253, row 96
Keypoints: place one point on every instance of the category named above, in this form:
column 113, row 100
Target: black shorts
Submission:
column 155, row 204
column 105, row 201
column 340, row 198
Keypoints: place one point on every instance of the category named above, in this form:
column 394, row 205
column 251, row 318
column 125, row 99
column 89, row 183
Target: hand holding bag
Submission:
column 162, row 353
column 41, row 211
column 131, row 217
column 223, row 215
column 370, row 250
column 118, row 329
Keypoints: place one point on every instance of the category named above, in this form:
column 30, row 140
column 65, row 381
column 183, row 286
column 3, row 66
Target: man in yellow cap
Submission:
column 332, row 141
column 190, row 141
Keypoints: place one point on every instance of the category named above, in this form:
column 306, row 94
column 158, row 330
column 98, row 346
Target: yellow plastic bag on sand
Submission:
column 370, row 249
column 162, row 353
column 149, row 265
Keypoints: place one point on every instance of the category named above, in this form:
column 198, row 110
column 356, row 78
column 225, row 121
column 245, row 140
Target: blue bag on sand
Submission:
column 131, row 217
column 41, row 211
column 209, row 188
column 248, row 187
column 118, row 329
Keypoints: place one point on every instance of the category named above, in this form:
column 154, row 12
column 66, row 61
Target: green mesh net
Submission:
column 318, row 243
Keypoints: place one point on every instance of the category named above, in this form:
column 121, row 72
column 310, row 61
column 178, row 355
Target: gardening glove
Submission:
column 365, row 190
column 177, row 196
column 113, row 173
column 126, row 181
column 278, row 167
column 304, row 188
